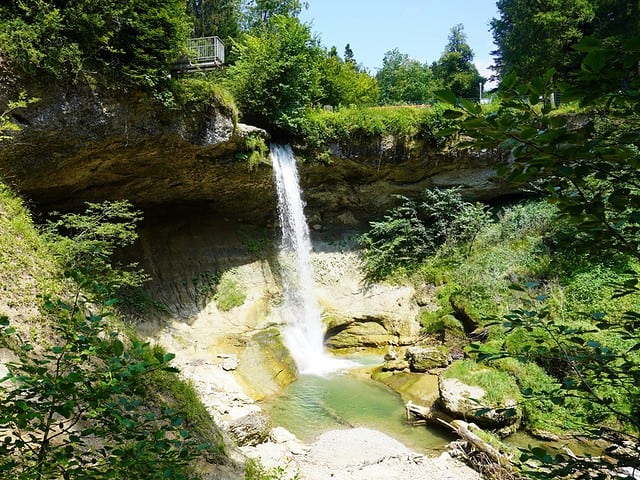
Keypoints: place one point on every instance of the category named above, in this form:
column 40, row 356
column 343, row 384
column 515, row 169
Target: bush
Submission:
column 318, row 128
column 413, row 230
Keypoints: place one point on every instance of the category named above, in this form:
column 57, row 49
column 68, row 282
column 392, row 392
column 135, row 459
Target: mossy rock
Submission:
column 266, row 364
column 425, row 358
column 480, row 394
column 465, row 312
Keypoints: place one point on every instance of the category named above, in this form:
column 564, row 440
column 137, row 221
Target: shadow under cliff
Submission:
column 185, row 248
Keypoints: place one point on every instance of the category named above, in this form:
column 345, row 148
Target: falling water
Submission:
column 303, row 332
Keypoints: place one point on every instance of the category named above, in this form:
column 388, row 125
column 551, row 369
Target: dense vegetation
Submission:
column 82, row 396
column 553, row 288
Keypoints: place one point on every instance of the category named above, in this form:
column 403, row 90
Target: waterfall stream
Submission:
column 303, row 333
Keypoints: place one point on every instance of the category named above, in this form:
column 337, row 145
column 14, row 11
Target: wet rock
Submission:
column 395, row 366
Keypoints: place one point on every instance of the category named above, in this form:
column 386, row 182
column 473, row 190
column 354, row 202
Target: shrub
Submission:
column 230, row 293
column 413, row 230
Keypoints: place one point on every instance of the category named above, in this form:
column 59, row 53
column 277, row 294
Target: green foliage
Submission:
column 26, row 266
column 455, row 70
column 320, row 128
column 589, row 168
column 403, row 80
column 254, row 470
column 199, row 94
column 7, row 125
column 85, row 242
column 259, row 13
column 257, row 151
column 413, row 230
column 533, row 37
column 215, row 17
column 343, row 84
column 76, row 410
column 230, row 293
column 276, row 74
column 131, row 44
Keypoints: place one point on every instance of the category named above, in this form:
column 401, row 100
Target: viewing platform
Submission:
column 205, row 53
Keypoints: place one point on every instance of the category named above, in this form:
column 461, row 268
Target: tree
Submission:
column 403, row 80
column 455, row 69
column 259, row 12
column 343, row 84
column 134, row 43
column 277, row 73
column 79, row 406
column 533, row 37
column 348, row 54
column 215, row 17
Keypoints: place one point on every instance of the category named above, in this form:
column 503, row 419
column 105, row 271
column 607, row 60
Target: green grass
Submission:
column 320, row 127
column 27, row 267
column 499, row 386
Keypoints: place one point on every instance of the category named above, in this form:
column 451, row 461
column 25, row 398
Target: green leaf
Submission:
column 117, row 347
column 594, row 61
column 168, row 357
column 452, row 114
column 446, row 96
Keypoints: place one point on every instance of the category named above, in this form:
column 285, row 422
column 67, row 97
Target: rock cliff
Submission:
column 77, row 145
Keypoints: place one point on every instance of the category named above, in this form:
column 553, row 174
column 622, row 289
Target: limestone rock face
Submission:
column 251, row 429
column 78, row 145
column 358, row 314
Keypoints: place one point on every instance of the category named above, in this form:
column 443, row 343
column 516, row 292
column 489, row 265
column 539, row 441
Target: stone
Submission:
column 469, row 402
column 230, row 363
column 360, row 314
column 282, row 435
column 395, row 365
column 425, row 358
column 251, row 429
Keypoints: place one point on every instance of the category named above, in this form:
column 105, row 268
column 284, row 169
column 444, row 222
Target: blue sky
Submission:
column 418, row 28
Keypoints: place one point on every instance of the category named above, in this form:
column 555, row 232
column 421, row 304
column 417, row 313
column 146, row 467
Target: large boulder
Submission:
column 425, row 358
column 251, row 429
column 358, row 313
column 472, row 403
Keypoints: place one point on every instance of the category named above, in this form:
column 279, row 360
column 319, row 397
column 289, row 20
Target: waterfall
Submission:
column 303, row 332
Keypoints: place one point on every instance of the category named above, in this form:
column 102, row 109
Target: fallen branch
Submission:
column 464, row 431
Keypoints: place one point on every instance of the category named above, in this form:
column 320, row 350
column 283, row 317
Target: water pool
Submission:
column 312, row 405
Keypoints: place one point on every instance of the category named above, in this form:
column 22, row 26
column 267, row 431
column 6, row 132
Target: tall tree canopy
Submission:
column 404, row 80
column 455, row 68
column 343, row 83
column 533, row 37
column 259, row 12
column 133, row 42
column 215, row 17
column 277, row 71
